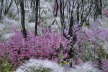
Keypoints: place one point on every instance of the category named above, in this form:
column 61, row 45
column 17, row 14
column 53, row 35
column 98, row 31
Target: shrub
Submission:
column 5, row 65
column 46, row 46
column 50, row 45
column 2, row 49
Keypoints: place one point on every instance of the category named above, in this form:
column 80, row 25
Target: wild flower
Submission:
column 105, row 12
column 105, row 65
column 50, row 45
column 2, row 49
column 46, row 46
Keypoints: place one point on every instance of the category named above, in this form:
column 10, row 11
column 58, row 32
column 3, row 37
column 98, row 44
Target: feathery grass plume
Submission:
column 34, row 65
column 86, row 67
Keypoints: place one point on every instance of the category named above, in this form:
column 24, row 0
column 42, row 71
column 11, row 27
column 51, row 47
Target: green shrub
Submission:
column 5, row 66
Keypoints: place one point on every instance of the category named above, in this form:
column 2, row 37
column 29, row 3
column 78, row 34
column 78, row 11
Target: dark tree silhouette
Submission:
column 36, row 15
column 23, row 18
column 36, row 9
column 1, row 9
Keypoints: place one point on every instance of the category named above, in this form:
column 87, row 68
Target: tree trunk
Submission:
column 23, row 19
column 7, row 9
column 36, row 15
column 62, row 17
column 1, row 9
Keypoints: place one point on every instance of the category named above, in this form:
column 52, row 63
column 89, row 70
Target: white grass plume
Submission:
column 35, row 63
column 54, row 67
column 86, row 67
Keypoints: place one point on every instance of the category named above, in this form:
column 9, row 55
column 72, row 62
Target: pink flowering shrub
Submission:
column 105, row 65
column 92, row 35
column 105, row 12
column 50, row 45
column 46, row 46
column 2, row 49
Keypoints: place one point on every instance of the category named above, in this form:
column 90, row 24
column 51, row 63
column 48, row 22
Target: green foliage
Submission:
column 92, row 51
column 5, row 66
column 102, row 53
column 88, row 53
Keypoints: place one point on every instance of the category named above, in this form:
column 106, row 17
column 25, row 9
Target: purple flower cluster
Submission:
column 105, row 12
column 46, row 46
column 2, row 50
column 92, row 35
column 50, row 45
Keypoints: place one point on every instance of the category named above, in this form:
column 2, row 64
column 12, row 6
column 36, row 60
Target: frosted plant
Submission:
column 34, row 65
column 86, row 67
